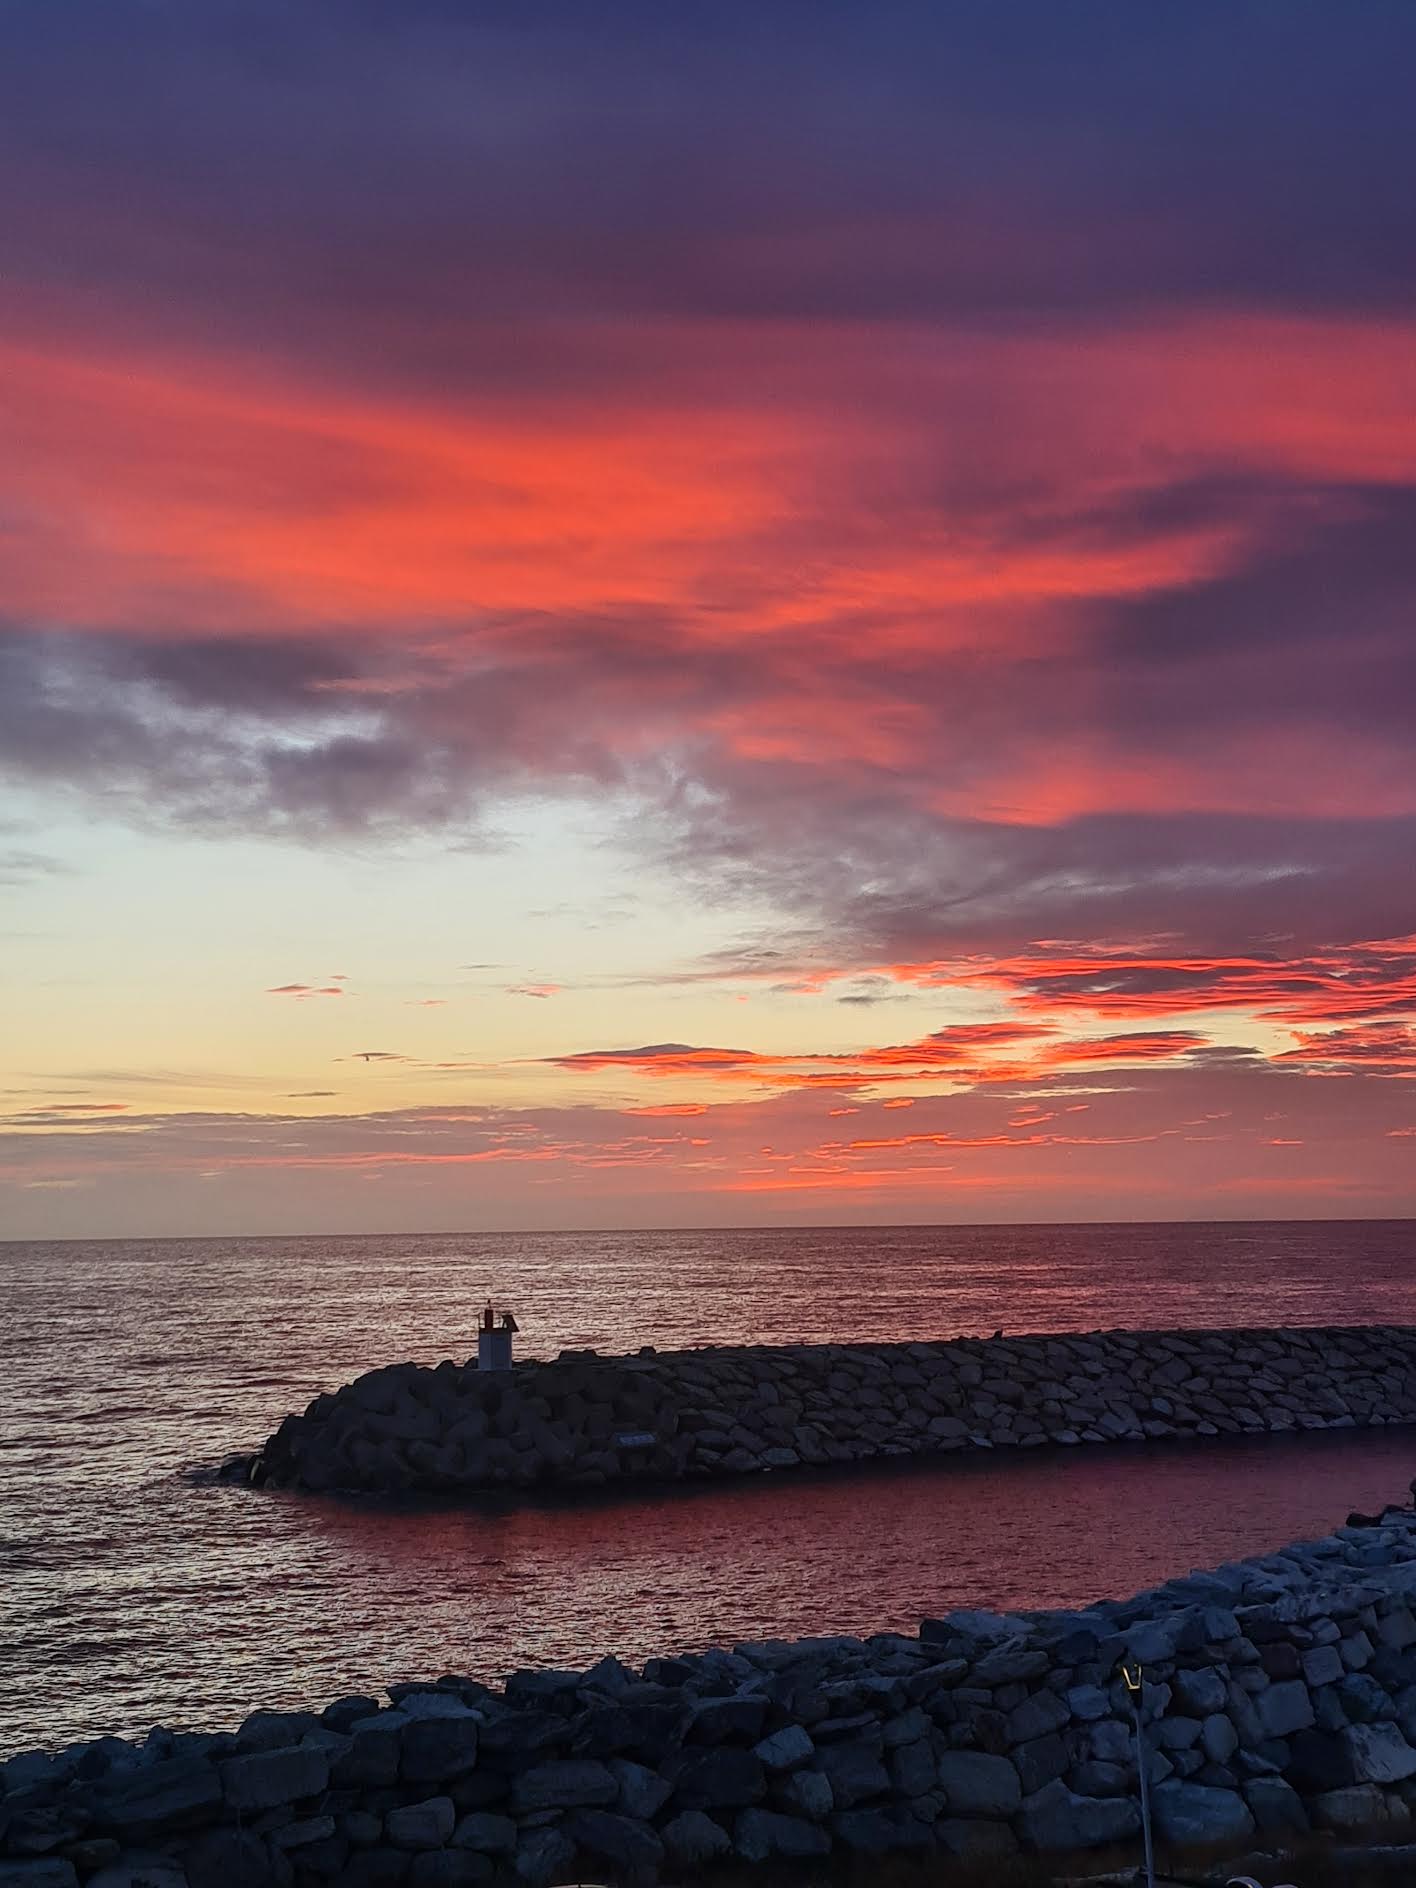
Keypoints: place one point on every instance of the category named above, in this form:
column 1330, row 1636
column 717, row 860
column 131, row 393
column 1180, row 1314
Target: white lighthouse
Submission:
column 494, row 1337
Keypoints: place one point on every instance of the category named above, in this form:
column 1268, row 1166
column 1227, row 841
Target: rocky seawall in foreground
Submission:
column 1279, row 1697
column 586, row 1421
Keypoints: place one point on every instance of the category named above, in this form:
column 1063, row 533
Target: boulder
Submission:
column 642, row 1791
column 1284, row 1708
column 1276, row 1806
column 854, row 1772
column 1044, row 1711
column 224, row 1856
column 267, row 1778
column 1040, row 1761
column 1055, row 1818
column 425, row 1825
column 720, row 1778
column 48, row 1871
column 913, row 1771
column 1218, row 1738
column 172, row 1794
column 693, row 1838
column 480, row 1829
column 1359, row 1806
column 759, row 1833
column 1201, row 1692
column 786, row 1749
column 805, row 1793
column 715, row 1720
column 1190, row 1814
column 276, row 1730
column 434, row 1749
column 1379, row 1753
column 370, row 1759
column 569, row 1783
column 542, row 1855
column 1322, row 1665
column 977, row 1784
column 628, row 1845
column 880, row 1831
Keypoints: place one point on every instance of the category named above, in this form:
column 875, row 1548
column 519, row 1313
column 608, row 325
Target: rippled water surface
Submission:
column 132, row 1595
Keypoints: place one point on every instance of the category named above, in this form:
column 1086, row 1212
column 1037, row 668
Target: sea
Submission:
column 135, row 1591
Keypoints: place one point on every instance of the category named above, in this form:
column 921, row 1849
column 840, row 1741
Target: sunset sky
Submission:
column 649, row 615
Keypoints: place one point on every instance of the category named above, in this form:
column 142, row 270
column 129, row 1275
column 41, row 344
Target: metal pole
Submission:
column 1134, row 1681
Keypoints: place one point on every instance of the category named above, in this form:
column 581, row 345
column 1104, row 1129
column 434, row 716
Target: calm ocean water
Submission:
column 132, row 1594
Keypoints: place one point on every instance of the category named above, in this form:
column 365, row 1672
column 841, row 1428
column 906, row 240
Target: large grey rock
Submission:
column 40, row 1872
column 642, row 1791
column 977, row 1784
column 1055, row 1818
column 715, row 1720
column 1276, row 1806
column 1188, row 1814
column 719, row 1778
column 693, row 1838
column 1095, row 1778
column 1284, row 1708
column 170, row 1795
column 369, row 1760
column 913, row 1770
column 1044, row 1711
column 805, row 1793
column 626, row 1844
column 222, row 1857
column 434, row 1750
column 1322, row 1665
column 1379, row 1753
column 425, row 1825
column 1112, row 1741
column 854, row 1771
column 568, row 1783
column 1200, row 1692
column 299, row 1835
column 759, row 1833
column 786, row 1749
column 1041, row 1760
column 1359, row 1806
column 275, row 1730
column 29, row 1767
column 1218, row 1738
column 880, row 1830
column 542, row 1855
column 1087, row 1702
column 268, row 1778
column 481, row 1829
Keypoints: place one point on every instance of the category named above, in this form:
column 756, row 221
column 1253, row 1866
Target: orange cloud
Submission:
column 1357, row 980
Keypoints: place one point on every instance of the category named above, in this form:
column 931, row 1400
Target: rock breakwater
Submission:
column 584, row 1421
column 1279, row 1698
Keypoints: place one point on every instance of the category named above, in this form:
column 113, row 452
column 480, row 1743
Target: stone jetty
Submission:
column 1278, row 1703
column 585, row 1421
